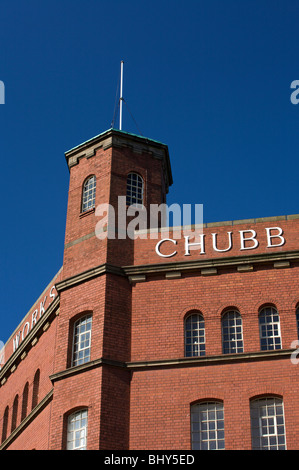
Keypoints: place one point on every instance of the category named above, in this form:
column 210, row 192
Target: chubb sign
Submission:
column 247, row 239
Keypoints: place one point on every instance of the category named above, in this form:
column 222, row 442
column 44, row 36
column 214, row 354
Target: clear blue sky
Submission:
column 209, row 78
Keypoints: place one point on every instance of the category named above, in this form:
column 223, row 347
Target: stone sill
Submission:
column 86, row 213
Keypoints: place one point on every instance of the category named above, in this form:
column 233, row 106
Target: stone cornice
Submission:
column 223, row 262
column 120, row 139
column 87, row 275
column 175, row 362
column 174, row 269
column 210, row 360
column 71, row 371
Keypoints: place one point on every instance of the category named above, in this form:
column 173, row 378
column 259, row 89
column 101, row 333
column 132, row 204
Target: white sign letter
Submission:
column 214, row 236
column 42, row 307
column 242, row 239
column 160, row 243
column 193, row 245
column 52, row 293
column 16, row 341
column 279, row 235
column 27, row 325
column 33, row 318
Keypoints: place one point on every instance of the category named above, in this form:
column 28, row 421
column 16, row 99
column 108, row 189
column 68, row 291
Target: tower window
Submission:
column 82, row 340
column 134, row 190
column 89, row 194
column 77, row 430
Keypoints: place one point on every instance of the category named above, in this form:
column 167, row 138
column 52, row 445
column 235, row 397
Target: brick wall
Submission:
column 159, row 306
column 161, row 399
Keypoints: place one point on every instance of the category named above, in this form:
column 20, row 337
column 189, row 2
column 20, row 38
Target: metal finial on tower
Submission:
column 121, row 95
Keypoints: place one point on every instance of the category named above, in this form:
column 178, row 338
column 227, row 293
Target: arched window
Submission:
column 35, row 389
column 267, row 424
column 14, row 416
column 207, row 426
column 194, row 335
column 269, row 328
column 88, row 193
column 5, row 424
column 77, row 430
column 134, row 190
column 232, row 332
column 25, row 401
column 82, row 340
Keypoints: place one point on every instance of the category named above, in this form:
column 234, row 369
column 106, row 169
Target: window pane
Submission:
column 194, row 335
column 269, row 329
column 232, row 335
column 208, row 418
column 134, row 190
column 88, row 195
column 82, row 341
column 266, row 414
column 77, row 431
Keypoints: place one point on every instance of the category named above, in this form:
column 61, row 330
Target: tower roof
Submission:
column 118, row 138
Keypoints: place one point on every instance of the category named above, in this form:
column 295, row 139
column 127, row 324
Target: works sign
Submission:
column 33, row 317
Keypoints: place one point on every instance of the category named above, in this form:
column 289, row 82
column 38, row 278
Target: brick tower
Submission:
column 93, row 286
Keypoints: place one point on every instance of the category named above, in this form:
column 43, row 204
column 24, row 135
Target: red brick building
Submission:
column 156, row 343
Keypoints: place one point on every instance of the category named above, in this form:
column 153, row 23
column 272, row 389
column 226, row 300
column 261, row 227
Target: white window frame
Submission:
column 231, row 331
column 89, row 193
column 195, row 335
column 77, row 430
column 81, row 354
column 135, row 190
column 207, row 426
column 267, row 424
column 268, row 327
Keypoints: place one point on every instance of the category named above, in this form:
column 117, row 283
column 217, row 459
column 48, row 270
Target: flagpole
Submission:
column 121, row 95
